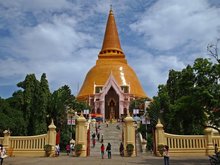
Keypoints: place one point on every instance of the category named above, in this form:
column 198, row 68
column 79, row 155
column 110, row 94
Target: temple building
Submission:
column 111, row 84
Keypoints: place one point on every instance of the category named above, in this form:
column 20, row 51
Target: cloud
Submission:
column 56, row 45
column 63, row 38
column 152, row 70
column 171, row 24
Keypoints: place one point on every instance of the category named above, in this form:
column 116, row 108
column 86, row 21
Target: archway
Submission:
column 111, row 104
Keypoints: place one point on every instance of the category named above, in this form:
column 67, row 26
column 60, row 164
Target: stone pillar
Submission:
column 6, row 140
column 210, row 146
column 159, row 136
column 129, row 135
column 52, row 137
column 81, row 134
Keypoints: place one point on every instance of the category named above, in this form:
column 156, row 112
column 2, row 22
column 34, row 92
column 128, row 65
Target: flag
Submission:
column 58, row 137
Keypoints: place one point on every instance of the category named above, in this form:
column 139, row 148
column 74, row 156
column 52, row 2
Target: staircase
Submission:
column 111, row 135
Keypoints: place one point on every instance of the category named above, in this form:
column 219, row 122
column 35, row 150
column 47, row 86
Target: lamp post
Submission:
column 70, row 115
column 147, row 119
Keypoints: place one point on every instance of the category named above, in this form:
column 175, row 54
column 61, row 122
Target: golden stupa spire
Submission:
column 111, row 46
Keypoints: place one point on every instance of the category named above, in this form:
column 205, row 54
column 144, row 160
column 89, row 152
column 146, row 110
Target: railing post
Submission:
column 210, row 146
column 81, row 134
column 52, row 137
column 129, row 135
column 6, row 140
column 159, row 136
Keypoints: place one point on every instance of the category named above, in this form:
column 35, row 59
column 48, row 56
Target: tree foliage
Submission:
column 189, row 100
column 29, row 111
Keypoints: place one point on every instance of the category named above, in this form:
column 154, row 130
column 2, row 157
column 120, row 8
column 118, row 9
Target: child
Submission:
column 166, row 155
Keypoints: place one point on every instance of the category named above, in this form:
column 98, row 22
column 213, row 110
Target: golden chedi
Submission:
column 111, row 84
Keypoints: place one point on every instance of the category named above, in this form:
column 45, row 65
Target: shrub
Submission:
column 47, row 147
column 78, row 147
column 130, row 149
column 160, row 148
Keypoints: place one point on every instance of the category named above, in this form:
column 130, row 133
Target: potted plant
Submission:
column 78, row 149
column 47, row 149
column 130, row 149
column 160, row 149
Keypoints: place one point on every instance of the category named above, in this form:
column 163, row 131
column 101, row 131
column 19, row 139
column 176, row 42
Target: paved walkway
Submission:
column 94, row 160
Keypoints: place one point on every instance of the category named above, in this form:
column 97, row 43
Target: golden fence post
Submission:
column 6, row 140
column 81, row 134
column 159, row 136
column 209, row 145
column 129, row 135
column 52, row 137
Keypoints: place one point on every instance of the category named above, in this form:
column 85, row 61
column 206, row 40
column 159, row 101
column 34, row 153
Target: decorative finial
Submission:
column 81, row 114
column 52, row 123
column 111, row 11
column 128, row 113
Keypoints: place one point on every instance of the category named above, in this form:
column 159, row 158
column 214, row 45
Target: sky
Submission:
column 62, row 38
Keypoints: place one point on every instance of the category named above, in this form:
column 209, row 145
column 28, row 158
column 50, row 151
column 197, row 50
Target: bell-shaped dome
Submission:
column 111, row 60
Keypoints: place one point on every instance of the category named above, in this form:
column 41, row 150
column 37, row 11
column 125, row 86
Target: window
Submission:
column 98, row 89
column 125, row 89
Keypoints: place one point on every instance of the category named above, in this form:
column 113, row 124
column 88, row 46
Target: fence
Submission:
column 187, row 145
column 29, row 145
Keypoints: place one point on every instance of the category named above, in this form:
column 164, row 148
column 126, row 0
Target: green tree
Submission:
column 187, row 97
column 30, row 88
column 10, row 118
column 42, row 106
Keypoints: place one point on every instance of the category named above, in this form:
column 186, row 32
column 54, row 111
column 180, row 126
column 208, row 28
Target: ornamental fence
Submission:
column 186, row 145
column 29, row 145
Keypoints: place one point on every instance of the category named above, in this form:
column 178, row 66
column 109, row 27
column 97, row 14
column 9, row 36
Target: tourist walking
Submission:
column 57, row 150
column 102, row 138
column 121, row 149
column 2, row 154
column 98, row 136
column 72, row 148
column 102, row 151
column 93, row 142
column 67, row 149
column 106, row 123
column 108, row 149
column 166, row 155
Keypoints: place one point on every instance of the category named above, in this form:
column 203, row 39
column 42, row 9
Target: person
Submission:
column 93, row 142
column 67, row 149
column 93, row 135
column 102, row 150
column 108, row 149
column 166, row 155
column 106, row 123
column 121, row 149
column 98, row 136
column 57, row 149
column 102, row 138
column 2, row 153
column 72, row 147
column 118, row 127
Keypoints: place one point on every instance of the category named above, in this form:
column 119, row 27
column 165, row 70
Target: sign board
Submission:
column 143, row 121
column 71, row 122
column 135, row 111
column 85, row 111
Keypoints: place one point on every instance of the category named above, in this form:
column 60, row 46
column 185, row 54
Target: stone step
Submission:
column 111, row 135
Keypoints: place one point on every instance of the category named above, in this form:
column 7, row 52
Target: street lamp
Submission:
column 70, row 120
